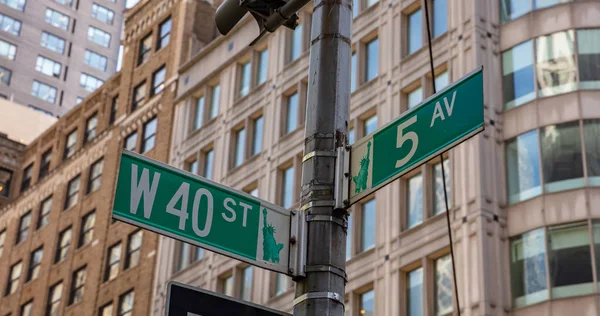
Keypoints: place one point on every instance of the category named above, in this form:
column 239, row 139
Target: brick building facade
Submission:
column 61, row 253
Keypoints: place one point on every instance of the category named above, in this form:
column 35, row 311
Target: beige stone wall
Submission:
column 23, row 124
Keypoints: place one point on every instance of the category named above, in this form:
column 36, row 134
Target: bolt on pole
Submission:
column 321, row 292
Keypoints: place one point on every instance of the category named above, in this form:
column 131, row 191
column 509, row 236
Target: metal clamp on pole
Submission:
column 312, row 295
column 342, row 178
column 319, row 153
column 298, row 238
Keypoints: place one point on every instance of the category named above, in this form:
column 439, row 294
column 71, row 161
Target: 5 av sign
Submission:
column 438, row 124
column 198, row 211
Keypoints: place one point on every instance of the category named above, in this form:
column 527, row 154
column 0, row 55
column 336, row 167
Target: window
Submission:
column 257, row 135
column 442, row 288
column 77, row 286
column 27, row 309
column 64, row 243
column 45, row 163
column 5, row 179
column 372, row 60
column 149, row 136
column 183, row 256
column 370, row 125
column 95, row 60
column 588, row 49
column 227, row 286
column 139, row 96
column 165, row 34
column 106, row 310
column 158, row 81
column 440, row 17
column 54, row 297
column 89, row 83
column 57, row 19
column 287, row 191
column 570, row 260
column 103, row 14
column 512, row 9
column 126, row 304
column 414, row 200
column 45, row 209
column 555, row 63
column 8, row 50
column 244, row 79
column 14, row 279
column 5, row 75
column 291, row 121
column 98, row 36
column 562, row 156
column 53, row 43
column 442, row 80
column 131, row 142
column 15, row 4
column 2, row 240
column 72, row 192
column 528, row 268
column 192, row 166
column 295, row 43
column 134, row 249
column 24, row 223
column 113, row 110
column 199, row 254
column 10, row 25
column 414, row 292
column 87, row 229
column 90, row 128
column 349, row 237
column 199, row 113
column 367, row 303
column 209, row 158
column 353, row 71
column 214, row 104
column 27, row 174
column 263, row 65
column 240, row 148
column 367, row 226
column 281, row 283
column 522, row 167
column 145, row 49
column 414, row 40
column 439, row 204
column 112, row 266
column 95, row 177
column 591, row 130
column 246, row 286
column 415, row 97
column 43, row 91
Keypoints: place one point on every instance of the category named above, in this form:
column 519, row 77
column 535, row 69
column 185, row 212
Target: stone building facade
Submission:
column 523, row 194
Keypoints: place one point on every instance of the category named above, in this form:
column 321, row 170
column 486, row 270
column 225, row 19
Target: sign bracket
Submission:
column 298, row 236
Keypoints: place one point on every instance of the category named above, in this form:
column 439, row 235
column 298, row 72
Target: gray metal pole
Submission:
column 321, row 292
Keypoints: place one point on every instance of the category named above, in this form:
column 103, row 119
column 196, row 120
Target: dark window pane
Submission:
column 562, row 157
column 528, row 268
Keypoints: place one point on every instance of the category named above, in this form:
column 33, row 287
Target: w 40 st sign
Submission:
column 438, row 124
column 198, row 211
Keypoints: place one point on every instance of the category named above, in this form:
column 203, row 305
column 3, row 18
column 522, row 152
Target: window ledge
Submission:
column 246, row 162
column 289, row 135
column 370, row 8
column 361, row 255
column 276, row 297
column 292, row 63
column 365, row 85
column 205, row 125
column 189, row 267
column 406, row 58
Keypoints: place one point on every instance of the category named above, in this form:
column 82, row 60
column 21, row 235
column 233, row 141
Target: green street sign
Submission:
column 441, row 122
column 195, row 210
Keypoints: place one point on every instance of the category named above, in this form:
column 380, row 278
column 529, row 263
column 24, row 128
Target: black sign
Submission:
column 185, row 300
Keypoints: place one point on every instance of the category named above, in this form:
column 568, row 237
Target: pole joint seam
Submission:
column 319, row 153
column 326, row 218
column 333, row 35
column 327, row 268
column 310, row 204
column 317, row 295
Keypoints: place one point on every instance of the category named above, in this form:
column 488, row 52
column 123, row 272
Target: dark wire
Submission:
column 442, row 163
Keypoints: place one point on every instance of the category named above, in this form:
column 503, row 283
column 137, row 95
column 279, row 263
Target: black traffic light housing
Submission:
column 269, row 14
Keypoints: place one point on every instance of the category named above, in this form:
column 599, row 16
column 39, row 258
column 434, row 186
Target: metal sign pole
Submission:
column 321, row 292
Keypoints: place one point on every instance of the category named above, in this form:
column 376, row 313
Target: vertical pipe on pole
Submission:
column 321, row 292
